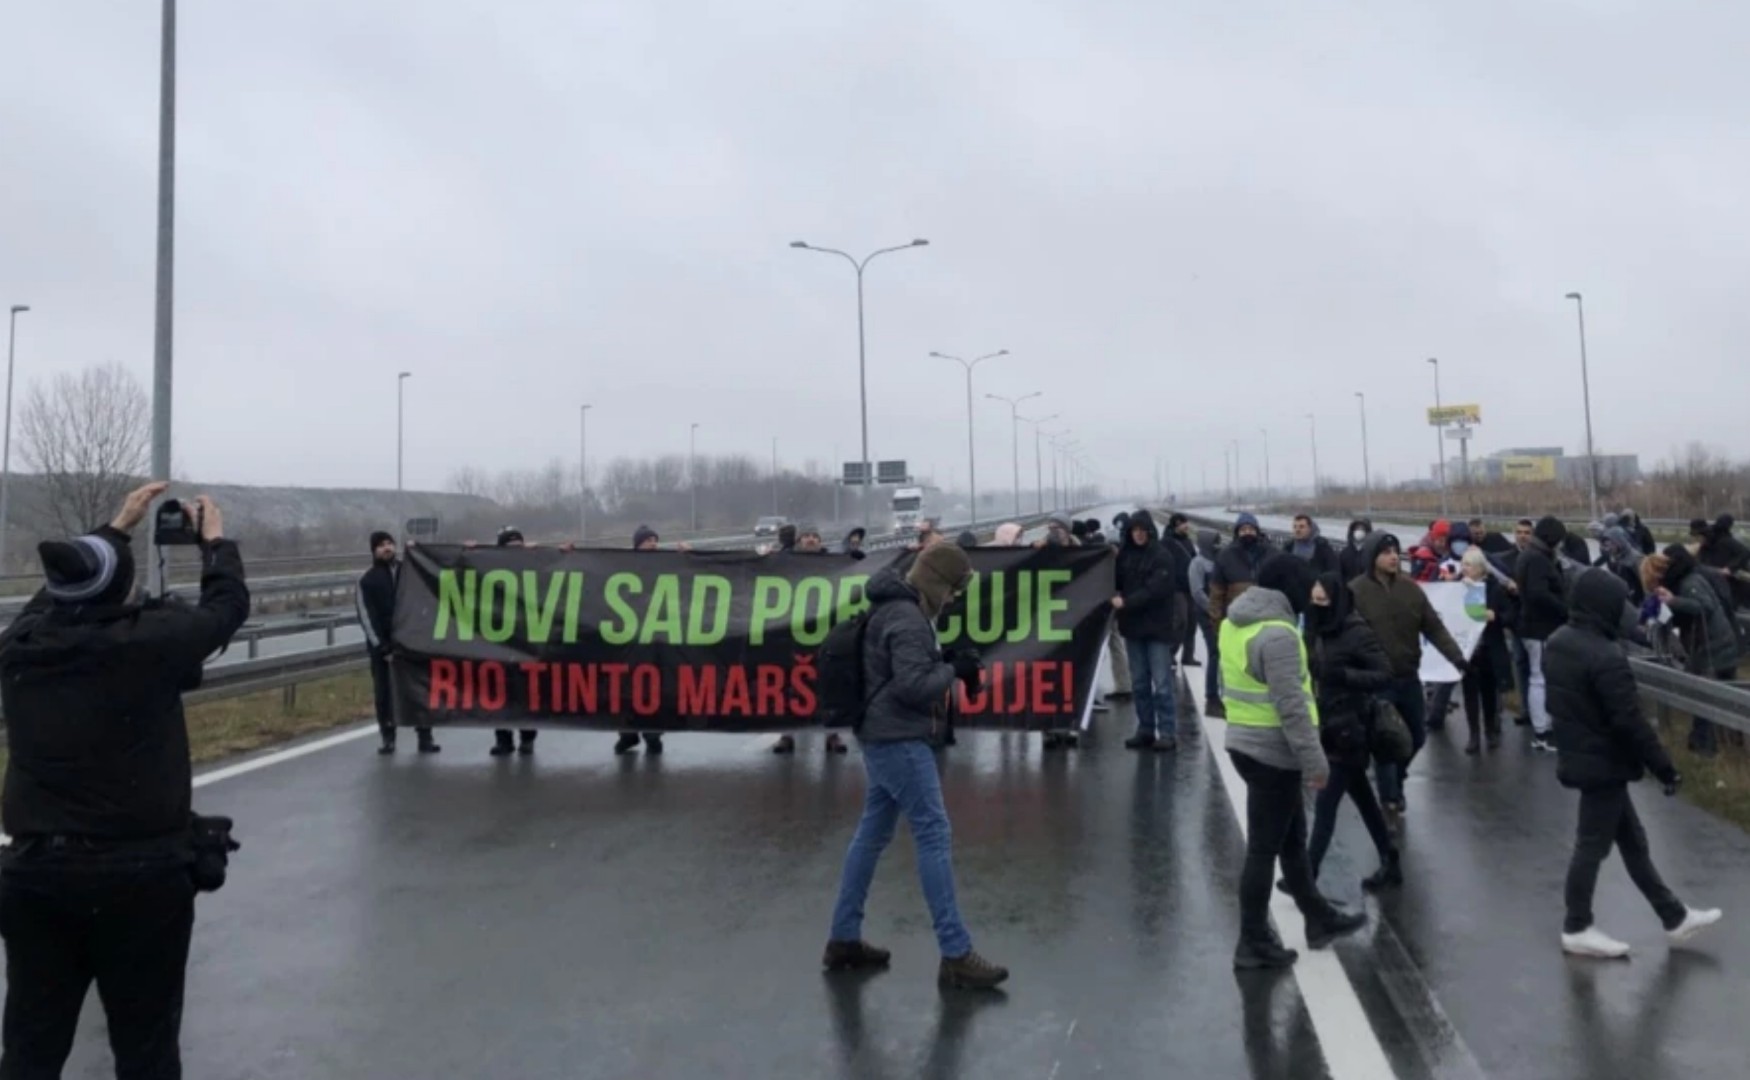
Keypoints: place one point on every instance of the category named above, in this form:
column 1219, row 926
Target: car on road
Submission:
column 769, row 525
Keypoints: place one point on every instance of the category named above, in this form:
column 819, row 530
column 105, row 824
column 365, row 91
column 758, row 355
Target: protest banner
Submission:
column 717, row 641
column 1463, row 608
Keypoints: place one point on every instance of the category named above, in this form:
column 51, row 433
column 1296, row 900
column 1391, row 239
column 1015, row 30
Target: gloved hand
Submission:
column 1672, row 780
column 968, row 666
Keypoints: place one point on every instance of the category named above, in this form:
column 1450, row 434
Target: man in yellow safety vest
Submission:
column 1273, row 739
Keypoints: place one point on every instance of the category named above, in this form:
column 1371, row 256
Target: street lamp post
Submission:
column 1366, row 471
column 971, row 458
column 400, row 425
column 583, row 474
column 1313, row 427
column 1265, row 432
column 774, row 475
column 1439, row 437
column 1038, row 466
column 1014, row 405
column 165, row 276
column 6, row 455
column 1586, row 390
column 1239, row 477
column 862, row 347
column 693, row 471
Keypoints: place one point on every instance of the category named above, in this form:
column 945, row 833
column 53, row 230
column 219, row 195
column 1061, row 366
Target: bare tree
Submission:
column 87, row 437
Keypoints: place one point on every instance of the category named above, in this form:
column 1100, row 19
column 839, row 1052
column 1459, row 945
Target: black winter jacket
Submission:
column 1543, row 606
column 93, row 699
column 1147, row 579
column 1350, row 562
column 1602, row 738
column 903, row 671
column 1236, row 568
column 375, row 601
column 1348, row 668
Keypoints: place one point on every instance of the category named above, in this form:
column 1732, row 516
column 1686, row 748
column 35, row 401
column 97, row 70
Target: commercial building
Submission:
column 1545, row 465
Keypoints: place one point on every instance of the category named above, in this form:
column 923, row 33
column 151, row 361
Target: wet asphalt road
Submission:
column 577, row 915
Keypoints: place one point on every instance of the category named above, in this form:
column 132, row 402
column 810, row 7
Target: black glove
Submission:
column 968, row 665
column 1672, row 780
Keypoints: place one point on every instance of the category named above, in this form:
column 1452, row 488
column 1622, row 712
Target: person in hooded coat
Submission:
column 1638, row 532
column 1008, row 534
column 1705, row 628
column 1179, row 536
column 1197, row 578
column 375, row 603
column 1618, row 553
column 1349, row 671
column 1725, row 552
column 1148, row 617
column 1236, row 568
column 1603, row 744
column 1351, row 562
column 1273, row 741
column 853, row 543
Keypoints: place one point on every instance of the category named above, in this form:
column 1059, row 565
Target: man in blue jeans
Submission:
column 1148, row 614
column 907, row 680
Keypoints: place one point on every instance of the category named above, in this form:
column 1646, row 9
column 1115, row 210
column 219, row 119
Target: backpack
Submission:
column 840, row 688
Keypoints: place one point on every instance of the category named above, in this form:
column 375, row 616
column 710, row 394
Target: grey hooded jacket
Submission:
column 1273, row 658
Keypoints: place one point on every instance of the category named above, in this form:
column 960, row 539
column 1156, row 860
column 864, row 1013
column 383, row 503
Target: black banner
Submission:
column 716, row 641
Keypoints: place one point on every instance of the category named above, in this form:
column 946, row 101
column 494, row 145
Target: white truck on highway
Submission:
column 908, row 509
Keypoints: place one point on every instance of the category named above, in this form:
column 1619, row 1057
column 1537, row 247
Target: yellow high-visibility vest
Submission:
column 1248, row 700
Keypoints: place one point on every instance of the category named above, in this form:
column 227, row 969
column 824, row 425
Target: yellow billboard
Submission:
column 1528, row 470
column 1455, row 414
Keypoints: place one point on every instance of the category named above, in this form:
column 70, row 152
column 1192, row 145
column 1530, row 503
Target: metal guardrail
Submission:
column 277, row 672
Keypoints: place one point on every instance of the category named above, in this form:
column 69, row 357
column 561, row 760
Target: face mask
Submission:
column 1357, row 536
column 1249, row 540
column 1459, row 547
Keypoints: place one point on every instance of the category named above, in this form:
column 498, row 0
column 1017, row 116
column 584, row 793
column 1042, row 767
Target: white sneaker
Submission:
column 1694, row 922
column 1595, row 942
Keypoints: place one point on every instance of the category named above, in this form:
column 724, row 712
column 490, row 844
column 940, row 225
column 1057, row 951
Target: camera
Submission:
column 176, row 525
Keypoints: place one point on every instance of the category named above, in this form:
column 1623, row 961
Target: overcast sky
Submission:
column 1186, row 221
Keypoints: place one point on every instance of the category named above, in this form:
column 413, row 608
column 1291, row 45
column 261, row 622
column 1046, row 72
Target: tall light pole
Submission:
column 1014, row 405
column 1266, row 433
column 1313, row 427
column 6, row 455
column 693, row 471
column 862, row 347
column 400, row 425
column 971, row 458
column 1060, row 444
column 1439, row 437
column 774, row 475
column 1239, row 477
column 1586, row 389
column 583, row 473
column 1038, row 466
column 164, row 306
column 1366, row 471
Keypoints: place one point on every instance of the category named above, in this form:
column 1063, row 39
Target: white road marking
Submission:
column 281, row 756
column 1351, row 1047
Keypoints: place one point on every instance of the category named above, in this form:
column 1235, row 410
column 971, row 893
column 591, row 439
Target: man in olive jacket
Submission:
column 1399, row 612
column 1604, row 744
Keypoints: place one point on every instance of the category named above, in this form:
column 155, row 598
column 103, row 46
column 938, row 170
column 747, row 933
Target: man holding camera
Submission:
column 98, row 883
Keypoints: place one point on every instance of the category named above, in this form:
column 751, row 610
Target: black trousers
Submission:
column 1482, row 691
column 1275, row 830
column 68, row 923
column 383, row 687
column 1355, row 784
column 1607, row 817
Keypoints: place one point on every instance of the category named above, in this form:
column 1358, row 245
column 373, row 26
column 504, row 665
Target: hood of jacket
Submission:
column 1329, row 619
column 1142, row 519
column 890, row 584
column 1258, row 604
column 1551, row 531
column 1246, row 519
column 1373, row 545
column 1596, row 602
column 1682, row 565
column 1208, row 540
column 1366, row 527
column 1620, row 539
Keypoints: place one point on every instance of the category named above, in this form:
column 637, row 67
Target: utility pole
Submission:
column 1586, row 389
column 1313, row 425
column 1366, row 471
column 1439, row 437
column 774, row 475
column 583, row 475
column 6, row 455
column 693, row 471
column 400, row 425
column 164, row 300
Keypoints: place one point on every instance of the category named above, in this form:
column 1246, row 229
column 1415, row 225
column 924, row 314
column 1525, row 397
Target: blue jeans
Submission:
column 1406, row 694
column 1152, row 682
column 902, row 777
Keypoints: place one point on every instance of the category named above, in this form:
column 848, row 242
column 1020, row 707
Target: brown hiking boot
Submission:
column 970, row 972
column 852, row 955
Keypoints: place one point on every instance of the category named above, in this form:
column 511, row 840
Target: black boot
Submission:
column 427, row 745
column 1142, row 740
column 388, row 746
column 502, row 743
column 653, row 742
column 1390, row 874
column 1331, row 924
column 526, row 741
column 1262, row 950
column 626, row 743
column 786, row 744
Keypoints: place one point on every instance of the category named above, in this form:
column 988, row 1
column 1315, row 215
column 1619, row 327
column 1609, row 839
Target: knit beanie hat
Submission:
column 937, row 572
column 641, row 534
column 509, row 535
column 379, row 538
column 1290, row 576
column 93, row 569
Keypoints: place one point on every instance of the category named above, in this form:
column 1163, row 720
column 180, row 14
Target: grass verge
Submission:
column 219, row 729
column 1718, row 784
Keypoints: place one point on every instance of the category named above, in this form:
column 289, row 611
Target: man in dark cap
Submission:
column 97, row 883
column 853, row 545
column 375, row 601
column 512, row 537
